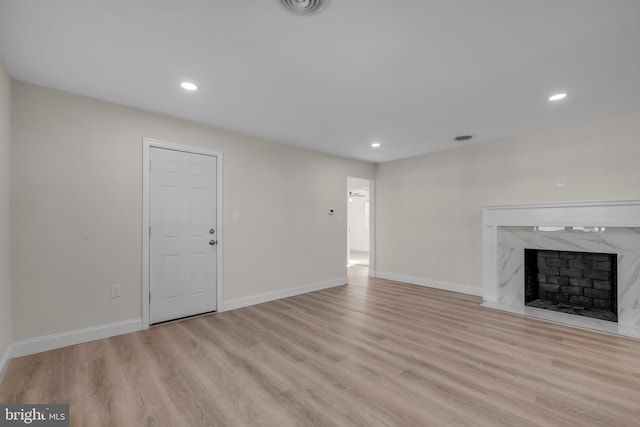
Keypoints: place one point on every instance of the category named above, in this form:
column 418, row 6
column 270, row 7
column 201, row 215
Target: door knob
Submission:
column 213, row 242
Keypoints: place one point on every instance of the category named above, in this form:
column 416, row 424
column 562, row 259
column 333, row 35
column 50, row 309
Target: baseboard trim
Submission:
column 446, row 286
column 283, row 293
column 4, row 362
column 79, row 336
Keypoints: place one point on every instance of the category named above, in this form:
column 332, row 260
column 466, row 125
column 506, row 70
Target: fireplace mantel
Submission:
column 622, row 214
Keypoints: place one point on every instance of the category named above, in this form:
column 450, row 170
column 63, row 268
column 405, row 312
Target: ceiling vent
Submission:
column 462, row 138
column 304, row 7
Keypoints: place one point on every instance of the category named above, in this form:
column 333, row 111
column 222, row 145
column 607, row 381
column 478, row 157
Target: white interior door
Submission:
column 183, row 235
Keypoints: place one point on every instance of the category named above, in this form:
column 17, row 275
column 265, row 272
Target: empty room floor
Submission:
column 372, row 353
column 358, row 258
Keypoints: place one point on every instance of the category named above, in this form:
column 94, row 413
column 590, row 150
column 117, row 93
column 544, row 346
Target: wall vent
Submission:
column 462, row 138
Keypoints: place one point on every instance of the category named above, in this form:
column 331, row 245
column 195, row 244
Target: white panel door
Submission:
column 183, row 235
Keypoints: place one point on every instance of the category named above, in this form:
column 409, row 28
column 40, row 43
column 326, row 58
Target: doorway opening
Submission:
column 359, row 223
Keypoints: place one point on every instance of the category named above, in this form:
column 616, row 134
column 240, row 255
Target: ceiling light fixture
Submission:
column 557, row 96
column 188, row 86
column 376, row 145
column 304, row 7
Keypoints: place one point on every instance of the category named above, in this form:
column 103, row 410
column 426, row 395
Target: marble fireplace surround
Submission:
column 508, row 229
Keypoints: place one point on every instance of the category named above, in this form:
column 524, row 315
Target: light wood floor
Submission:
column 372, row 353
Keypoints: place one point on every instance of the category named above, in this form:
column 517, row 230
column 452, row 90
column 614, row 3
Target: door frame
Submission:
column 372, row 228
column 372, row 223
column 147, row 144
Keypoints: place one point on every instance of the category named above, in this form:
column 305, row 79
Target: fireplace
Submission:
column 577, row 227
column 578, row 283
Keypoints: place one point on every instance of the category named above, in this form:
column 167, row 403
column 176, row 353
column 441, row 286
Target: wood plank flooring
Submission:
column 373, row 353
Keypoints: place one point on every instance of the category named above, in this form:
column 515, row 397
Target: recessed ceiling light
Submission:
column 376, row 145
column 557, row 96
column 188, row 86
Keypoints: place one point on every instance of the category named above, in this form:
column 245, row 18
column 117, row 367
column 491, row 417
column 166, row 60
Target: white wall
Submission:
column 430, row 206
column 77, row 210
column 5, row 277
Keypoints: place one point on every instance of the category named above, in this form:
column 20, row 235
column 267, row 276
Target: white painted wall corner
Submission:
column 4, row 361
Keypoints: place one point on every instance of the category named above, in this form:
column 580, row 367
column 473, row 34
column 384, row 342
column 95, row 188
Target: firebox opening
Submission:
column 580, row 283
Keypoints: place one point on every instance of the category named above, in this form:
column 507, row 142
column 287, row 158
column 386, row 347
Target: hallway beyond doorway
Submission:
column 358, row 258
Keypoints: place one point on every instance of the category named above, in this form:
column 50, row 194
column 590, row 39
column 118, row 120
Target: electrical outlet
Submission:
column 434, row 262
column 115, row 291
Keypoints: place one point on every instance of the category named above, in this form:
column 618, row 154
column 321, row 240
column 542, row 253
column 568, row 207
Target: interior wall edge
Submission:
column 5, row 361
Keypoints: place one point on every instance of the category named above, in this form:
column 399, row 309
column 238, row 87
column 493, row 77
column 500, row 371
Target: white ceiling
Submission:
column 411, row 74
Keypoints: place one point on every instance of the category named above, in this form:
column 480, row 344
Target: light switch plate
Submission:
column 115, row 291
